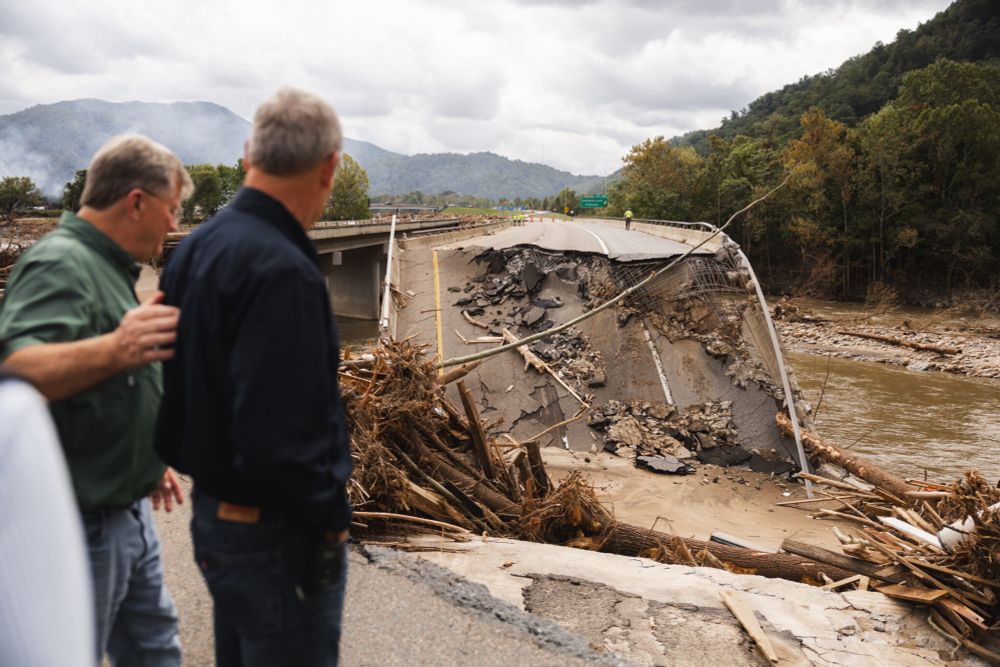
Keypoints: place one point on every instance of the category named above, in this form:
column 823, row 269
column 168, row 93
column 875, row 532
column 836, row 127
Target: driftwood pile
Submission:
column 904, row 548
column 9, row 252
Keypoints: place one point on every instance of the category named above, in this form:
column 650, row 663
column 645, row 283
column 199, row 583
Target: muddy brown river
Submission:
column 906, row 421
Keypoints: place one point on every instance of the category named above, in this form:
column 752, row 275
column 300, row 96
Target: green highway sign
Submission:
column 594, row 201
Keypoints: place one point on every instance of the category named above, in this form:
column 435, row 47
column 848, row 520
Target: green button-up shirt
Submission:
column 74, row 284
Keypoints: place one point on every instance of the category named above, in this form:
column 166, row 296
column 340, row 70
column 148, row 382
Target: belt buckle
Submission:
column 238, row 513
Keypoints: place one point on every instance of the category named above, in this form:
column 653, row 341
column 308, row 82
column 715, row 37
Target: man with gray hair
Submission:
column 252, row 407
column 72, row 325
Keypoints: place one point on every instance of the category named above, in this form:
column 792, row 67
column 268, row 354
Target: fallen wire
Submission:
column 607, row 304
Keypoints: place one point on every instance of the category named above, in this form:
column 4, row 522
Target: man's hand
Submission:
column 147, row 333
column 167, row 492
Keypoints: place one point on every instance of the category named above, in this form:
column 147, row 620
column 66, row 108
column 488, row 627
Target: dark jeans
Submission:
column 266, row 611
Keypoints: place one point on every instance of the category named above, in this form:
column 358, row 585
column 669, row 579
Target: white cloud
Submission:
column 573, row 83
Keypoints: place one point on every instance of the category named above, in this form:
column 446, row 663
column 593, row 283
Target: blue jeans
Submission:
column 266, row 610
column 136, row 619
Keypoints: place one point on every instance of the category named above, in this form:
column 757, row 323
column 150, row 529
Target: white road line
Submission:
column 659, row 366
column 599, row 239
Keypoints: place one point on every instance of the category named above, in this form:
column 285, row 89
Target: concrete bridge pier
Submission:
column 354, row 278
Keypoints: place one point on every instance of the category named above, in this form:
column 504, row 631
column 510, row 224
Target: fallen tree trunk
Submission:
column 821, row 555
column 627, row 540
column 929, row 347
column 827, row 451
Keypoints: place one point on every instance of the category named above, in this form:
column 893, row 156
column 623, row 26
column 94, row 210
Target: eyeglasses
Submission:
column 175, row 213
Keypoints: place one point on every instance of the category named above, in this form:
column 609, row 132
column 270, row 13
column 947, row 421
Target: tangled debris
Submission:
column 424, row 464
column 16, row 236
column 932, row 544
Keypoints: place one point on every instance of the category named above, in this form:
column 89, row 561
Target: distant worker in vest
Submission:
column 251, row 407
column 628, row 219
column 72, row 326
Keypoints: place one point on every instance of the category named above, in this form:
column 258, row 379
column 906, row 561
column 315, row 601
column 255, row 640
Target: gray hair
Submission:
column 133, row 161
column 293, row 131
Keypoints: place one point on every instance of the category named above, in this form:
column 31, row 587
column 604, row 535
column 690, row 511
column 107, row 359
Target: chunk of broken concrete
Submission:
column 663, row 465
column 531, row 277
column 706, row 441
column 533, row 316
column 724, row 456
column 660, row 410
column 554, row 302
column 598, row 379
column 758, row 463
column 627, row 432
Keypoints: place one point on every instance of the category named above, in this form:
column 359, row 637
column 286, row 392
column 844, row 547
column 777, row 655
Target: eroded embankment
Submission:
column 672, row 378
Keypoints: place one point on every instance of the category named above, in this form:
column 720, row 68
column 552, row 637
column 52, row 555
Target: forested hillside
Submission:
column 894, row 180
column 968, row 30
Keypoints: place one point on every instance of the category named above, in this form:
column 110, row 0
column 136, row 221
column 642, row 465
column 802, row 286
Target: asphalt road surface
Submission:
column 400, row 610
column 590, row 237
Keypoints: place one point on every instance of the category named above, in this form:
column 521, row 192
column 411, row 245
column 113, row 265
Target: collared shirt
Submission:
column 74, row 284
column 252, row 407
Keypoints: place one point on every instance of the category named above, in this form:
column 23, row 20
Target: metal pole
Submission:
column 383, row 324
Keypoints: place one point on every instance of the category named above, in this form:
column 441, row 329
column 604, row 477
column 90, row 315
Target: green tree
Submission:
column 824, row 160
column 349, row 199
column 18, row 193
column 566, row 200
column 661, row 180
column 231, row 178
column 208, row 196
column 73, row 191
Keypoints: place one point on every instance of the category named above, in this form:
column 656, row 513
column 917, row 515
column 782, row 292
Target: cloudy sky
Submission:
column 570, row 83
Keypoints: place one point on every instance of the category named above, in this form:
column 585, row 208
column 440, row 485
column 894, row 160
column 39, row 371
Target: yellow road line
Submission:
column 437, row 311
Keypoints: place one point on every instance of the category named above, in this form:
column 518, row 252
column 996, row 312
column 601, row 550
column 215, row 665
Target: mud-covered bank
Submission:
column 967, row 349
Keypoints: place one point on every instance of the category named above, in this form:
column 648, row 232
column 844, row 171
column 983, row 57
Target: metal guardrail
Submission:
column 666, row 223
column 371, row 222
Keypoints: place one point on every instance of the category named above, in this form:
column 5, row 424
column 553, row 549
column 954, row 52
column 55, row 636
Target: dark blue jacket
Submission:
column 251, row 407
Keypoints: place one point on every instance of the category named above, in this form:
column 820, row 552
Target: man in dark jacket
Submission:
column 251, row 406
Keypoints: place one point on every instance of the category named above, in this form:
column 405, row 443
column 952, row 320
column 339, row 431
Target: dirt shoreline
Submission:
column 978, row 354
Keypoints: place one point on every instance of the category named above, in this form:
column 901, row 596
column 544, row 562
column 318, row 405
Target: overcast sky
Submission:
column 570, row 83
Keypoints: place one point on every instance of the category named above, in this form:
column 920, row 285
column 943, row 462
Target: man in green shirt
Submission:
column 71, row 324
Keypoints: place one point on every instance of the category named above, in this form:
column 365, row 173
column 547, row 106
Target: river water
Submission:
column 906, row 421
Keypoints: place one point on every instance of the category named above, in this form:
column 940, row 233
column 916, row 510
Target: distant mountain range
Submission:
column 49, row 142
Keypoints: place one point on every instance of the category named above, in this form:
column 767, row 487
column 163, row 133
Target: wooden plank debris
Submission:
column 917, row 594
column 744, row 614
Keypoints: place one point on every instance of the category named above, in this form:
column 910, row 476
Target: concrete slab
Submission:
column 637, row 607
